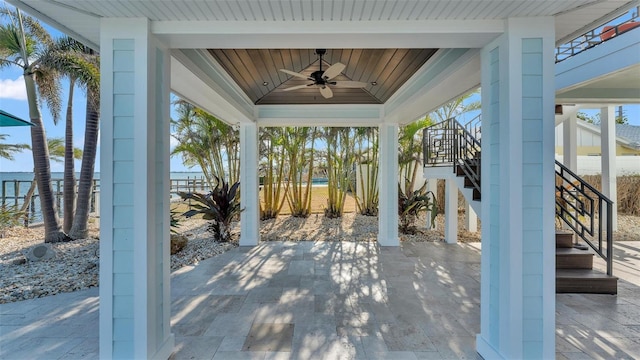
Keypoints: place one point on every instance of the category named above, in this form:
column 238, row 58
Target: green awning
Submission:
column 7, row 119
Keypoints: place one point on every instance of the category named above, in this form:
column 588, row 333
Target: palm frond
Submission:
column 49, row 90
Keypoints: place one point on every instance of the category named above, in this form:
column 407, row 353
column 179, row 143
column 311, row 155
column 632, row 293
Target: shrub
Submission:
column 221, row 206
column 174, row 221
column 628, row 188
column 412, row 204
column 9, row 216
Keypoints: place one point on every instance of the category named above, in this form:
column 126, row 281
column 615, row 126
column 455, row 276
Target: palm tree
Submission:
column 410, row 147
column 57, row 153
column 207, row 141
column 81, row 65
column 298, row 144
column 23, row 41
column 79, row 229
column 7, row 150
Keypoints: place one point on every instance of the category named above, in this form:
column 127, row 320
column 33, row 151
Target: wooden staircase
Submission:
column 579, row 206
column 574, row 269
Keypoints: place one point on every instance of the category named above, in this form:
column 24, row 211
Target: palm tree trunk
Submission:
column 79, row 230
column 69, row 190
column 52, row 229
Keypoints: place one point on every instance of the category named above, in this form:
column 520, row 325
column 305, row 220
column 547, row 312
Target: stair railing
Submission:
column 586, row 211
column 474, row 126
column 600, row 34
column 468, row 151
column 448, row 143
column 438, row 144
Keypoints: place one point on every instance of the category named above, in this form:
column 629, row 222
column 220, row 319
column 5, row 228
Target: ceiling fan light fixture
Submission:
column 323, row 78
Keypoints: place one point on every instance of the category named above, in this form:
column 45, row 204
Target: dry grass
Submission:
column 628, row 188
column 319, row 196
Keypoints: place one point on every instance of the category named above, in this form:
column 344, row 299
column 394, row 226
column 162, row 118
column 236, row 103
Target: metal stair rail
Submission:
column 621, row 24
column 586, row 211
column 448, row 143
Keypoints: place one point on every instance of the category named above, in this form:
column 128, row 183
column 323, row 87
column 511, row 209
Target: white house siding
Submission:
column 134, row 246
column 517, row 85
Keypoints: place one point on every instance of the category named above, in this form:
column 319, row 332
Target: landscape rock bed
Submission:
column 76, row 264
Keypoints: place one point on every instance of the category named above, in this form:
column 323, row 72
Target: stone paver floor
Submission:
column 331, row 300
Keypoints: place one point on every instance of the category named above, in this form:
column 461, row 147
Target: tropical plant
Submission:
column 411, row 204
column 367, row 196
column 221, row 206
column 206, row 141
column 57, row 151
column 273, row 160
column 80, row 64
column 340, row 168
column 299, row 144
column 7, row 150
column 457, row 107
column 80, row 229
column 23, row 43
column 174, row 221
column 9, row 216
column 410, row 150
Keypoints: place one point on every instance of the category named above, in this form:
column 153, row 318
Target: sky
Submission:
column 13, row 100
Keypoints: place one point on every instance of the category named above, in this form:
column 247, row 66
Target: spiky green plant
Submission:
column 221, row 206
column 411, row 204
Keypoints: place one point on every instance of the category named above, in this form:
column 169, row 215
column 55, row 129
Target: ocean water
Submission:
column 19, row 182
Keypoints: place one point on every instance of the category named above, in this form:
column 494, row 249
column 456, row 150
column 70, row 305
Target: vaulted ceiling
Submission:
column 257, row 73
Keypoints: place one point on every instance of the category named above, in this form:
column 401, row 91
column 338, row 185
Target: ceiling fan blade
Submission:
column 333, row 71
column 296, row 87
column 326, row 92
column 350, row 84
column 293, row 73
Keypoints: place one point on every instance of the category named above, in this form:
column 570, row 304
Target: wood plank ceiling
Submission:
column 256, row 71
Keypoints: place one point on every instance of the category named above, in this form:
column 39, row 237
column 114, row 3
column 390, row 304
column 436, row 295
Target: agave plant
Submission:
column 220, row 206
column 410, row 205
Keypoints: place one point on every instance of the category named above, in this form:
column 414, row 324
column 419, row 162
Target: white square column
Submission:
column 388, row 180
column 608, row 159
column 249, row 185
column 570, row 142
column 470, row 218
column 518, row 245
column 134, row 225
column 451, row 211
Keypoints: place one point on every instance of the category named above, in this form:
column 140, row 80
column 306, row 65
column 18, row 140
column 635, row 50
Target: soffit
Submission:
column 257, row 73
column 81, row 17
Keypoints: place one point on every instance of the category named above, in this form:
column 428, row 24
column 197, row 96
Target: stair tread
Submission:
column 573, row 252
column 582, row 274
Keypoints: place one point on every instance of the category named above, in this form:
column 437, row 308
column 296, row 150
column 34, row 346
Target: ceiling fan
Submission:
column 322, row 79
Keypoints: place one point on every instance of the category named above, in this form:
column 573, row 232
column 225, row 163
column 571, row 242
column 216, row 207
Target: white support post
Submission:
column 388, row 180
column 250, row 216
column 134, row 225
column 570, row 142
column 608, row 148
column 432, row 185
column 471, row 218
column 451, row 211
column 518, row 250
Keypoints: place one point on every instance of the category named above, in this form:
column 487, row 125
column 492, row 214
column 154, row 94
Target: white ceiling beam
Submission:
column 325, row 34
column 337, row 115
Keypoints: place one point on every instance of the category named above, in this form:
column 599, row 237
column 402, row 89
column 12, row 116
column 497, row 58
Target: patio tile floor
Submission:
column 331, row 300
